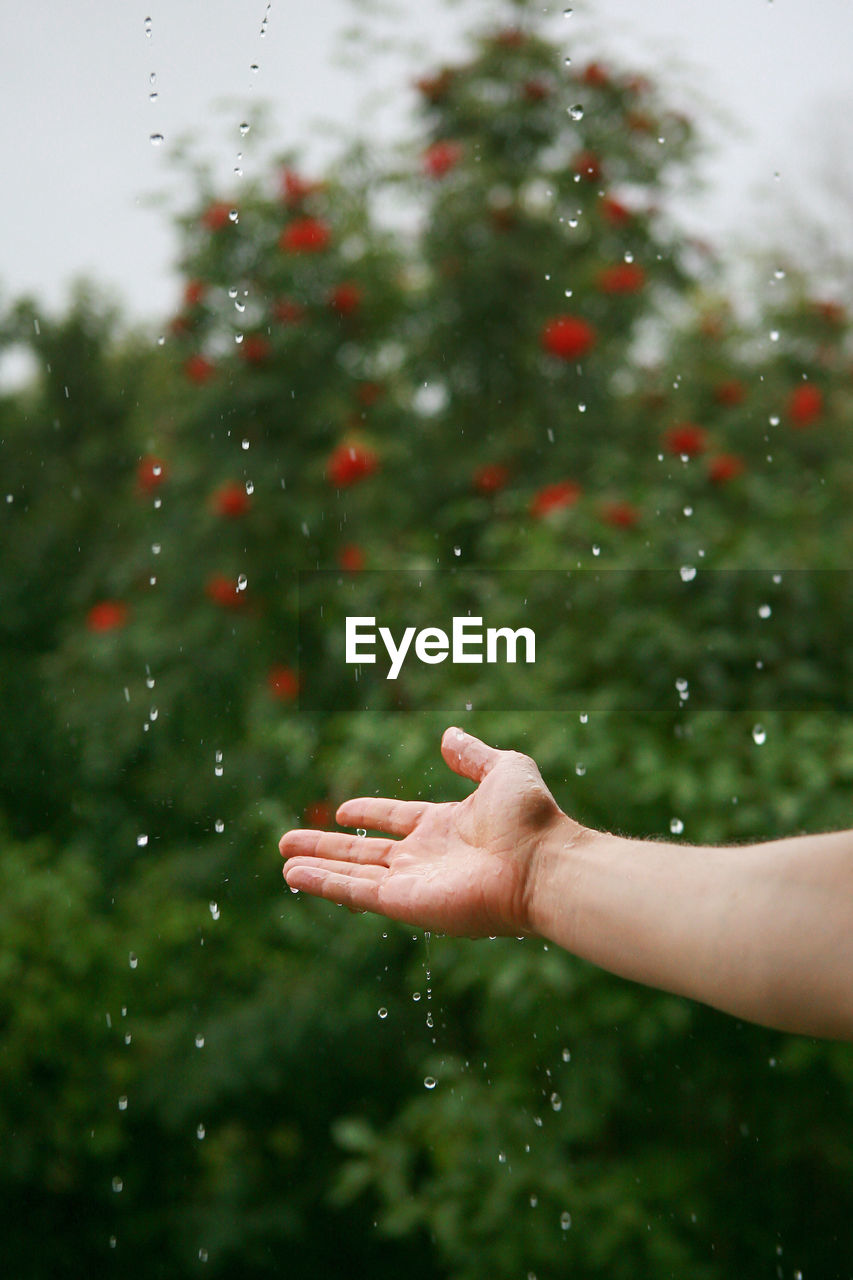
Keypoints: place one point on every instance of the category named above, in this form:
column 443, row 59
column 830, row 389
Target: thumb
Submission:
column 467, row 755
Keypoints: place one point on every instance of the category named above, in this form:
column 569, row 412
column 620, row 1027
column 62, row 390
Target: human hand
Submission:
column 465, row 867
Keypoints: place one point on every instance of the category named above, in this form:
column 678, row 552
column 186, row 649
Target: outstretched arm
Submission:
column 764, row 931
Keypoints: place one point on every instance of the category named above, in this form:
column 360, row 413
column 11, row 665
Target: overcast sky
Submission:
column 77, row 116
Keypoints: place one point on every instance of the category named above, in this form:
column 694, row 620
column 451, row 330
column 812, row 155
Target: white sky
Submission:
column 76, row 118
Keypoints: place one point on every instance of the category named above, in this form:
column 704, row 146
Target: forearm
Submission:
column 764, row 932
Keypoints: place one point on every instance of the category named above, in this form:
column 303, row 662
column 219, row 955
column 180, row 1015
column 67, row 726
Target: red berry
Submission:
column 622, row 277
column 434, row 88
column 255, row 348
column 568, row 337
column 194, row 291
column 216, row 216
column 725, row 467
column 295, row 188
column 491, row 478
column 283, row 682
column 305, row 235
column 588, row 165
column 150, row 473
column 614, row 212
column 369, row 392
column 441, row 157
column 350, row 463
column 288, row 312
column 536, row 90
column 224, row 592
column 199, row 369
column 730, row 393
column 318, row 814
column 595, row 75
column 805, row 405
column 622, row 515
column 346, row 298
column 686, row 438
column 231, row 500
column 832, row 312
column 554, row 497
column 351, row 558
column 107, row 615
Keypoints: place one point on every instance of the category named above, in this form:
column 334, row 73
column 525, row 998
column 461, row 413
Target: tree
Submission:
column 543, row 376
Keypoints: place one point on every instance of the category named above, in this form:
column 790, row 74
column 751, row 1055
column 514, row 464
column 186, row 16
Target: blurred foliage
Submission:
column 197, row 1068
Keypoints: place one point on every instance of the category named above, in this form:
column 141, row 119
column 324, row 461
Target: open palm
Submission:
column 464, row 867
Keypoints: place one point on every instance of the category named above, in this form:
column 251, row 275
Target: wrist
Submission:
column 554, row 890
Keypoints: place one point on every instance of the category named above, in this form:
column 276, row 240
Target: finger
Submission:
column 308, row 842
column 352, row 871
column 358, row 891
column 467, row 755
column 380, row 814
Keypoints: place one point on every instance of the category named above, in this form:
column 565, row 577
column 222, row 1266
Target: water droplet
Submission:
column 122, row 1102
column 254, row 68
column 534, row 1200
column 127, row 1037
column 759, row 734
column 199, row 1041
column 244, row 444
column 565, row 1220
column 556, row 1102
column 382, row 1013
column 779, row 274
column 567, row 1057
column 133, row 959
column 199, row 1132
column 250, row 488
column 153, row 713
column 457, row 551
column 501, row 1157
column 214, row 910
column 774, row 335
column 242, row 582
column 687, row 572
column 238, row 337
column 584, row 717
column 233, row 215
column 580, row 769
column 156, row 548
column 113, row 1242
column 219, row 826
column 118, row 1184
column 142, row 841
column 416, row 995
column 764, row 611
column 688, row 511
column 156, row 139
column 361, row 832
column 429, row 1021
column 148, row 28
column 153, row 95
column 429, row 1082
column 202, row 1255
column 244, row 129
column 676, row 826
column 576, row 111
